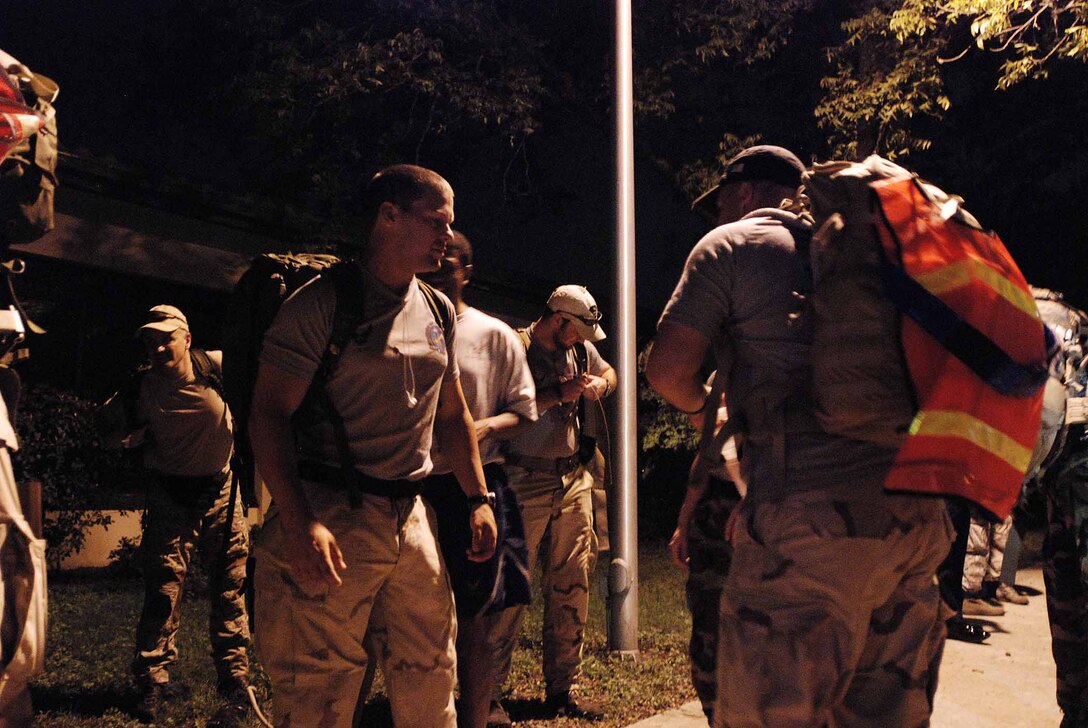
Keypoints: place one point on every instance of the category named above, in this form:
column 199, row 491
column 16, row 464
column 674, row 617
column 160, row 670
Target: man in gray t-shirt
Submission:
column 829, row 612
column 325, row 567
column 554, row 487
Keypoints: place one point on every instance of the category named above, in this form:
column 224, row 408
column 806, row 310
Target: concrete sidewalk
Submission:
column 1008, row 680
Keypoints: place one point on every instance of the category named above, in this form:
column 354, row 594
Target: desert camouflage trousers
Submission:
column 171, row 532
column 709, row 555
column 558, row 515
column 311, row 638
column 985, row 553
column 830, row 613
column 1065, row 572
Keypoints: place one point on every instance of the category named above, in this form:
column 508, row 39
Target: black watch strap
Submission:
column 479, row 500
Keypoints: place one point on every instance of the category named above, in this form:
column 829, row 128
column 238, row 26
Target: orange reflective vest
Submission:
column 974, row 345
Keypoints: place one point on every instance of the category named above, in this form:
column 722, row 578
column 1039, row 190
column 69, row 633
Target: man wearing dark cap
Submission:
column 186, row 430
column 548, row 471
column 829, row 612
column 771, row 176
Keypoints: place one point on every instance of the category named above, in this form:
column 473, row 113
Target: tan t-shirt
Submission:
column 399, row 349
column 555, row 434
column 190, row 426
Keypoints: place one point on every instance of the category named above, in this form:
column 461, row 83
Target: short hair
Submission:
column 401, row 184
column 461, row 248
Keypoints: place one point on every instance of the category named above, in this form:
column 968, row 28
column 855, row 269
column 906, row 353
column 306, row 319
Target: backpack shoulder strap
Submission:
column 347, row 280
column 526, row 339
column 440, row 312
column 581, row 358
column 206, row 370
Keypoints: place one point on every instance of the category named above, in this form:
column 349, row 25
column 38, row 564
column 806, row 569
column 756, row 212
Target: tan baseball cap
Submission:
column 577, row 303
column 165, row 318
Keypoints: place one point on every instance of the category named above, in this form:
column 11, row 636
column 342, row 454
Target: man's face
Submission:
column 451, row 276
column 166, row 351
column 424, row 229
column 567, row 335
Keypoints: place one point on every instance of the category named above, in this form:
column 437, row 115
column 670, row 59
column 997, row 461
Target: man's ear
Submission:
column 188, row 339
column 388, row 212
column 747, row 194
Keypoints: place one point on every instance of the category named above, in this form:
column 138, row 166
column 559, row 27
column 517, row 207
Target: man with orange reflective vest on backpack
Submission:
column 829, row 613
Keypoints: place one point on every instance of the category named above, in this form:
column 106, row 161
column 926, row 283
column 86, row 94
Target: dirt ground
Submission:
column 1007, row 681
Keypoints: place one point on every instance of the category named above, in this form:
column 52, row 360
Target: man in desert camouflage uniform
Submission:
column 548, row 471
column 1065, row 563
column 829, row 613
column 187, row 432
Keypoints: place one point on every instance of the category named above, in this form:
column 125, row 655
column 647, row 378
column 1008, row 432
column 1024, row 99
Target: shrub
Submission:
column 59, row 447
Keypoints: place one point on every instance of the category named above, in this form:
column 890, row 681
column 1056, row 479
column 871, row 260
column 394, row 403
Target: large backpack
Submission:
column 256, row 299
column 28, row 174
column 925, row 336
column 1065, row 399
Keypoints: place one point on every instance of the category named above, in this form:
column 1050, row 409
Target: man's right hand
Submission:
column 572, row 389
column 314, row 556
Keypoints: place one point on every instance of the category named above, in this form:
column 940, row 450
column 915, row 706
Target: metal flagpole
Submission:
column 623, row 508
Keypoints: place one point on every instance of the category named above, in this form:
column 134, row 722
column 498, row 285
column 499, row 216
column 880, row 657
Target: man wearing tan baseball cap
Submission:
column 548, row 469
column 186, row 451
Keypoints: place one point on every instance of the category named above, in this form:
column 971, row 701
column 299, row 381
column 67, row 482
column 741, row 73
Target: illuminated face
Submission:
column 167, row 351
column 567, row 335
column 425, row 230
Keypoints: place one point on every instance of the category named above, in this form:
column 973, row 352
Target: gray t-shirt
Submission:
column 744, row 288
column 555, row 434
column 399, row 353
column 190, row 426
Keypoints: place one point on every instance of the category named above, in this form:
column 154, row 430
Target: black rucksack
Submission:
column 256, row 299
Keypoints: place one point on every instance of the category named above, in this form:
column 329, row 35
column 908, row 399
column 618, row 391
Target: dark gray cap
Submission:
column 761, row 163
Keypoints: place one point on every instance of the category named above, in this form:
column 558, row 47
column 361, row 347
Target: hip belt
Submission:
column 559, row 466
column 190, row 490
column 334, row 476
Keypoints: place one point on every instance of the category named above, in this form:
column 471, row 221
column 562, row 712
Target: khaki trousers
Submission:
column 830, row 614
column 558, row 515
column 171, row 533
column 311, row 639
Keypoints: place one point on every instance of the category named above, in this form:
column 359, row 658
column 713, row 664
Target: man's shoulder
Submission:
column 438, row 302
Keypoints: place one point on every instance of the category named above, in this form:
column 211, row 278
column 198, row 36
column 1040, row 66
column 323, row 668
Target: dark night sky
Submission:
column 1019, row 158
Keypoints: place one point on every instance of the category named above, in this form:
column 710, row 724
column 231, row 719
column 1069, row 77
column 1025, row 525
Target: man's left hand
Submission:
column 481, row 521
column 596, row 388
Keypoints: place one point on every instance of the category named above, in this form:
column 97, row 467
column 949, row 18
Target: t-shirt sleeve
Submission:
column 519, row 391
column 703, row 297
column 595, row 363
column 298, row 336
column 452, row 370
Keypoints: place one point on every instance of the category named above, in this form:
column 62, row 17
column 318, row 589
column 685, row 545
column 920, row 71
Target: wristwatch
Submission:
column 479, row 500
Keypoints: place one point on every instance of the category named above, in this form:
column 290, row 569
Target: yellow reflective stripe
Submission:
column 961, row 273
column 949, row 423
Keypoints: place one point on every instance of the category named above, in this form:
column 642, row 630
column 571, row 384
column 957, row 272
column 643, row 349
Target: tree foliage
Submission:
column 59, row 447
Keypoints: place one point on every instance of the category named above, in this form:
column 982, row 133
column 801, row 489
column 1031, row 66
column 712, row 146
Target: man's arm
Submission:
column 599, row 386
column 502, row 426
column 312, row 551
column 673, row 365
column 457, row 440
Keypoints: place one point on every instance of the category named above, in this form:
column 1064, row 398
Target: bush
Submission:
column 667, row 444
column 59, row 447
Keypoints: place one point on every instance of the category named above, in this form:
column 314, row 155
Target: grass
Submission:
column 93, row 617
